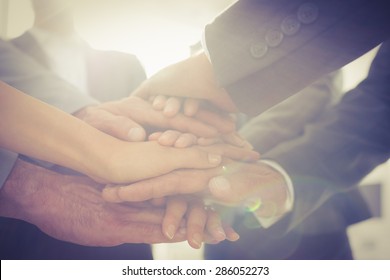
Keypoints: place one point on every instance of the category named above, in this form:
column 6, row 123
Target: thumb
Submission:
column 224, row 102
column 124, row 129
column 193, row 157
column 220, row 188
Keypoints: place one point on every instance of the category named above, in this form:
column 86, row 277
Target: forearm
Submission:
column 19, row 190
column 35, row 129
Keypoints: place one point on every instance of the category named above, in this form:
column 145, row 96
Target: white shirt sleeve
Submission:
column 267, row 222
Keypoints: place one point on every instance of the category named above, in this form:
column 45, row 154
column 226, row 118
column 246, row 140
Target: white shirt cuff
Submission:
column 267, row 222
column 204, row 46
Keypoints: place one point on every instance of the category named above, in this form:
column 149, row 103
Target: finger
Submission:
column 235, row 186
column 136, row 134
column 151, row 99
column 169, row 184
column 214, row 226
column 236, row 140
column 221, row 189
column 140, row 232
column 232, row 152
column 117, row 126
column 191, row 107
column 202, row 141
column 224, row 102
column 185, row 140
column 153, row 215
column 192, row 125
column 154, row 136
column 168, row 138
column 196, row 222
column 172, row 106
column 175, row 211
column 221, row 121
column 231, row 234
column 158, row 201
column 159, row 102
column 191, row 157
column 125, row 129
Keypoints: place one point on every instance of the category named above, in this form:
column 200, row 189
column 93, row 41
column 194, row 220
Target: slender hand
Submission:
column 123, row 119
column 44, row 132
column 193, row 77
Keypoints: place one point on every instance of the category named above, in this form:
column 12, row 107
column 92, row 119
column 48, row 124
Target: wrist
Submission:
column 276, row 198
column 16, row 196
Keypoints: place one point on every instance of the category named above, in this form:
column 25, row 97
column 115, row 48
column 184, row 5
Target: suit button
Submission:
column 273, row 37
column 308, row 13
column 290, row 25
column 258, row 49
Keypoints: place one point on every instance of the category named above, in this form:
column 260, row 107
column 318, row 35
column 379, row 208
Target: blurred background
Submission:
column 158, row 32
column 161, row 32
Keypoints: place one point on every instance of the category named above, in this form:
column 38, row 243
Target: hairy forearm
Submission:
column 17, row 191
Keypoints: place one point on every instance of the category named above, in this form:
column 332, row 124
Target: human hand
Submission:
column 256, row 186
column 178, row 182
column 71, row 208
column 192, row 77
column 235, row 184
column 127, row 162
column 203, row 224
column 173, row 138
column 199, row 109
column 123, row 119
column 172, row 105
column 130, row 162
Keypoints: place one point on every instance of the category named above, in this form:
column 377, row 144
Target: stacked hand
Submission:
column 182, row 189
column 156, row 189
column 171, row 167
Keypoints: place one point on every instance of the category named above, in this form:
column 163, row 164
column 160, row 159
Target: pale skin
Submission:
column 193, row 77
column 49, row 134
column 41, row 131
column 125, row 119
column 231, row 185
column 234, row 184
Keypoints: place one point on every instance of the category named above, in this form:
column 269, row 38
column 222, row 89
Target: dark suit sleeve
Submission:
column 287, row 120
column 346, row 146
column 263, row 51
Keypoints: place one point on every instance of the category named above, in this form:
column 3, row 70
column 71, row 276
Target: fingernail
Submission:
column 248, row 145
column 215, row 159
column 159, row 102
column 182, row 231
column 169, row 109
column 136, row 134
column 219, row 185
column 197, row 240
column 238, row 140
column 182, row 142
column 220, row 234
column 170, row 232
column 234, row 237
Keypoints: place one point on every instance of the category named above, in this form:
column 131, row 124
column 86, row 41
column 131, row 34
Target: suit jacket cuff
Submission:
column 267, row 222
